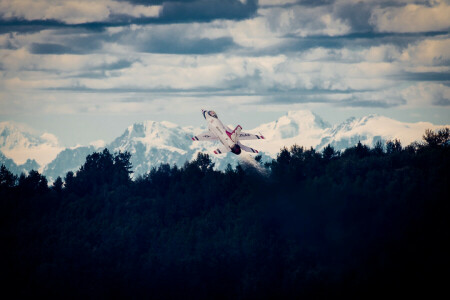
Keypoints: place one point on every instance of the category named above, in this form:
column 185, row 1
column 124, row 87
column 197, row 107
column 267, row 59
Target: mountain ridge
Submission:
column 152, row 143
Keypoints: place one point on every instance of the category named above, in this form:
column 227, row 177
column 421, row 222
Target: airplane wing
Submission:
column 205, row 136
column 248, row 149
column 249, row 136
column 222, row 149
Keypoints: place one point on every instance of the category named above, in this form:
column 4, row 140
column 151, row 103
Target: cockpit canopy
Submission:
column 212, row 114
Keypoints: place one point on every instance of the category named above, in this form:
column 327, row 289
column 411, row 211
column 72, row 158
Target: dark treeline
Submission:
column 364, row 223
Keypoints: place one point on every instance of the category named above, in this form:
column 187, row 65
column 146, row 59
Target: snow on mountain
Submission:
column 371, row 129
column 153, row 143
column 98, row 144
column 301, row 127
column 306, row 129
column 20, row 143
column 30, row 164
column 161, row 135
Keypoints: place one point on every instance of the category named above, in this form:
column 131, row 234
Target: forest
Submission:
column 367, row 222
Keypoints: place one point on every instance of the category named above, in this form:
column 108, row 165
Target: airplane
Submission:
column 230, row 139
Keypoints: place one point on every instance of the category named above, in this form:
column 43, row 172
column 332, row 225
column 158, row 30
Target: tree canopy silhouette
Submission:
column 307, row 224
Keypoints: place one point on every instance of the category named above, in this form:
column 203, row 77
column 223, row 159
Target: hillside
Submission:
column 361, row 224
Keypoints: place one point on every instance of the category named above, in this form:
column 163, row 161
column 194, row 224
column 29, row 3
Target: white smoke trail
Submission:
column 248, row 161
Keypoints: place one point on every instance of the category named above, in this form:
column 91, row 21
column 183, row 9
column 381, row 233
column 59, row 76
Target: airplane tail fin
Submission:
column 236, row 132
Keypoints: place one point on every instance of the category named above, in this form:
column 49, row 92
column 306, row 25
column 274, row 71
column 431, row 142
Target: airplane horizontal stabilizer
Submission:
column 248, row 149
column 222, row 150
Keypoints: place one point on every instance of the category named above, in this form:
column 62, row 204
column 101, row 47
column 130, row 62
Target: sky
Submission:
column 85, row 70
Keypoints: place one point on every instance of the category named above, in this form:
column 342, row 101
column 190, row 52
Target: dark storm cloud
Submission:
column 179, row 92
column 172, row 12
column 118, row 65
column 154, row 2
column 32, row 26
column 171, row 40
column 351, row 101
column 290, row 99
column 345, row 98
column 357, row 15
column 38, row 48
column 106, row 70
column 72, row 45
column 356, row 102
column 26, row 26
column 253, row 84
column 315, row 2
column 310, row 3
column 207, row 10
column 187, row 46
column 424, row 76
column 201, row 10
column 441, row 101
column 351, row 41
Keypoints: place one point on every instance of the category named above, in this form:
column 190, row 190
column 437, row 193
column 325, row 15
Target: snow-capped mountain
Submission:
column 373, row 128
column 153, row 143
column 18, row 169
column 307, row 129
column 301, row 127
column 21, row 144
column 150, row 144
column 70, row 159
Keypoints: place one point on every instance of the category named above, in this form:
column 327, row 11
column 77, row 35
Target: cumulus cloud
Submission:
column 430, row 52
column 72, row 12
column 305, row 21
column 173, row 39
column 412, row 18
column 426, row 94
column 37, row 15
column 137, row 55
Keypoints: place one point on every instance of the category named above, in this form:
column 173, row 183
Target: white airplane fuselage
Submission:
column 224, row 136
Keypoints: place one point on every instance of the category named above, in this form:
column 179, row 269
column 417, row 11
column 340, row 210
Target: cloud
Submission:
column 426, row 94
column 115, row 65
column 127, row 55
column 425, row 76
column 207, row 10
column 187, row 46
column 288, row 3
column 412, row 18
column 357, row 15
column 37, row 15
column 72, row 45
column 38, row 48
column 304, row 21
column 431, row 52
column 171, row 39
column 50, row 138
column 72, row 12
